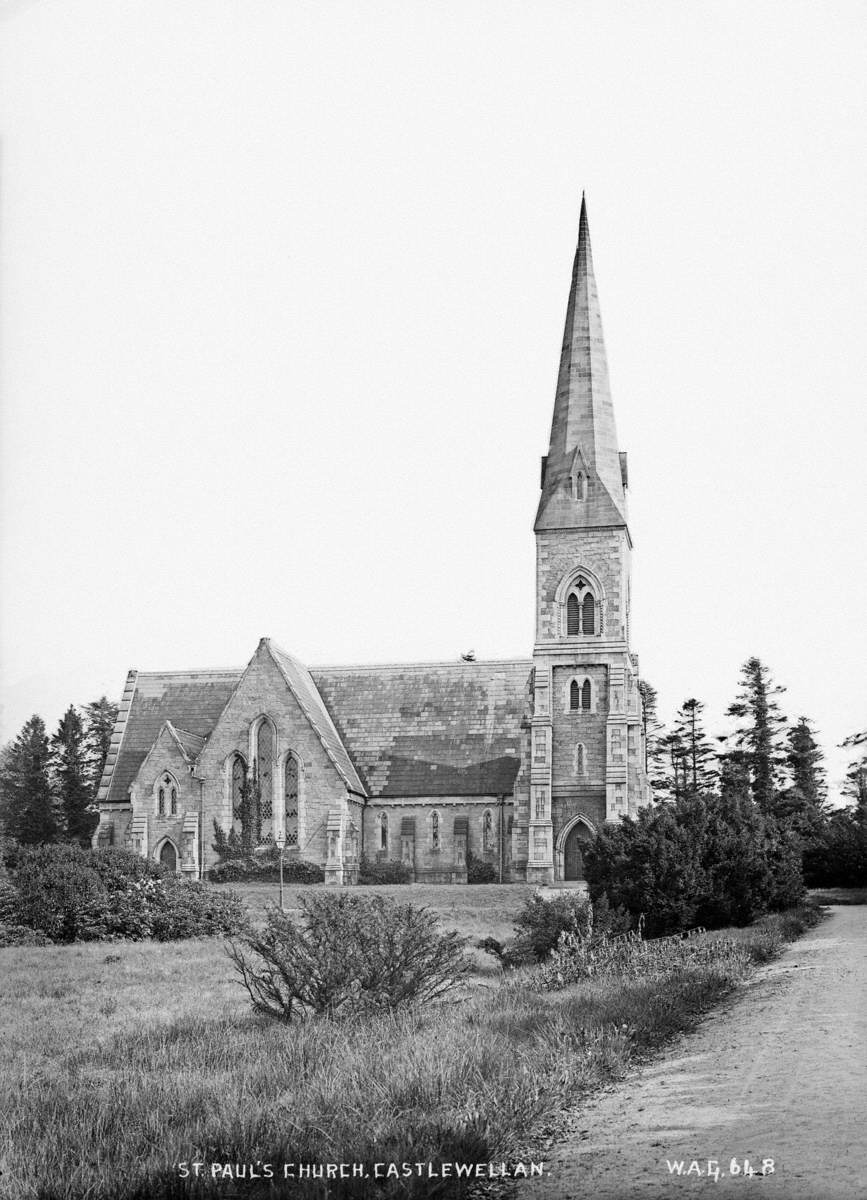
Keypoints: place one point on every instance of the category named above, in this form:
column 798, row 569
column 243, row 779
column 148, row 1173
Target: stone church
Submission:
column 518, row 762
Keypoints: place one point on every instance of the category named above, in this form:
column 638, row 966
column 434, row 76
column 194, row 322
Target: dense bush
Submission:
column 265, row 868
column 347, row 953
column 710, row 861
column 383, row 872
column 70, row 894
column 836, row 855
column 539, row 926
column 480, row 871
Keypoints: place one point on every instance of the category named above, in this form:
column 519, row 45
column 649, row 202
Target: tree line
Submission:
column 48, row 784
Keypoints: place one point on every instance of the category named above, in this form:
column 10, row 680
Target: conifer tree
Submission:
column 99, row 718
column 25, row 786
column 696, row 755
column 73, row 786
column 855, row 784
column 803, row 803
column 655, row 753
column 760, row 732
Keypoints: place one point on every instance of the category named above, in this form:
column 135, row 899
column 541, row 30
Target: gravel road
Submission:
column 780, row 1072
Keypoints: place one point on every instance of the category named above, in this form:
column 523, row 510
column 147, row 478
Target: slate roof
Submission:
column 191, row 700
column 419, row 729
column 431, row 729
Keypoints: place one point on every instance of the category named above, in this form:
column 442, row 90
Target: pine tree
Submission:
column 803, row 804
column 99, row 718
column 25, row 786
column 654, row 739
column 73, row 785
column 855, row 784
column 696, row 755
column 676, row 770
column 761, row 731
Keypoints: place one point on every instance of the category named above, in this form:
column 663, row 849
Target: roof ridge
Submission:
column 446, row 662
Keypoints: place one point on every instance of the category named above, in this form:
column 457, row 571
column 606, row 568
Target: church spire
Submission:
column 583, row 414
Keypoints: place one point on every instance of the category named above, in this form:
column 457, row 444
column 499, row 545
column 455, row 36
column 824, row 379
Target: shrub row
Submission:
column 265, row 868
column 68, row 894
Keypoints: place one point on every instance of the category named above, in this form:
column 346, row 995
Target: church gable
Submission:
column 192, row 700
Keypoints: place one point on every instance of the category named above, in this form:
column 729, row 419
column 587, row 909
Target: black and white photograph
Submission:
column 433, row 720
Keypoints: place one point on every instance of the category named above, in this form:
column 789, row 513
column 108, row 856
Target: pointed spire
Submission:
column 583, row 412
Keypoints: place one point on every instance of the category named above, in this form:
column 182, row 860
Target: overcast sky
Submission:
column 283, row 288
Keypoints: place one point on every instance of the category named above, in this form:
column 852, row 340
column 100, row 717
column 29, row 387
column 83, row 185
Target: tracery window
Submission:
column 167, row 795
column 582, row 615
column 290, row 800
column 265, row 769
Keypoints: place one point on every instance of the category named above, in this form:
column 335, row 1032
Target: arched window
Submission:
column 383, row 831
column 488, row 831
column 574, row 695
column 265, row 771
column 166, row 795
column 588, row 614
column 586, row 695
column 290, row 800
column 573, row 616
column 239, row 778
column 580, row 759
column 435, row 831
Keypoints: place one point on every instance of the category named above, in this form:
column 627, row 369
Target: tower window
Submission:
column 574, row 695
column 586, row 695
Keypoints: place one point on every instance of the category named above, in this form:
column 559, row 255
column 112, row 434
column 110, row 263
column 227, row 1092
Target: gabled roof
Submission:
column 415, row 729
column 431, row 729
column 583, row 411
column 190, row 700
column 304, row 690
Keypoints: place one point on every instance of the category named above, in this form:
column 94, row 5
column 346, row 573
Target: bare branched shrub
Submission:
column 347, row 953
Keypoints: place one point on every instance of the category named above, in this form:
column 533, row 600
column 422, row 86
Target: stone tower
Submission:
column 587, row 752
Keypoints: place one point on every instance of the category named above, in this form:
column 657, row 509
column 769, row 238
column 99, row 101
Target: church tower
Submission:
column 587, row 751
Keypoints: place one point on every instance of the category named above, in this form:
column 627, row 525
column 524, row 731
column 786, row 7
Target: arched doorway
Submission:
column 169, row 856
column 577, row 839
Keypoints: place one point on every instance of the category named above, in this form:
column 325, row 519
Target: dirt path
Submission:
column 779, row 1073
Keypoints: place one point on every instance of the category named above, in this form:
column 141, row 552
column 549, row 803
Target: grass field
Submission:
column 120, row 1061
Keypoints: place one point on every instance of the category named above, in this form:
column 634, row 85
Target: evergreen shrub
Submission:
column 265, row 868
column 480, row 871
column 347, row 953
column 70, row 895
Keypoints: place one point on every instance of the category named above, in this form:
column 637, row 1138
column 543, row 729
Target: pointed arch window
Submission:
column 239, row 778
column 583, row 615
column 574, row 696
column 435, row 830
column 586, row 695
column 580, row 759
column 290, row 800
column 166, row 794
column 265, row 768
column 588, row 614
column 488, row 831
column 383, row 831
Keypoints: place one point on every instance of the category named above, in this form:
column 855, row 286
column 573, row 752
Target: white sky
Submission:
column 283, row 288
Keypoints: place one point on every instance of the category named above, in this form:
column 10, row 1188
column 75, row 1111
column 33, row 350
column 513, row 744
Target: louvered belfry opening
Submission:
column 574, row 695
column 585, row 695
column 573, row 616
column 589, row 614
column 290, row 800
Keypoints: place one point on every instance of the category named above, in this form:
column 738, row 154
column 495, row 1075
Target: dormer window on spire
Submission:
column 579, row 485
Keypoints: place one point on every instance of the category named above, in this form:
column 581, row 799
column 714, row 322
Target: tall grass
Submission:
column 466, row 1082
